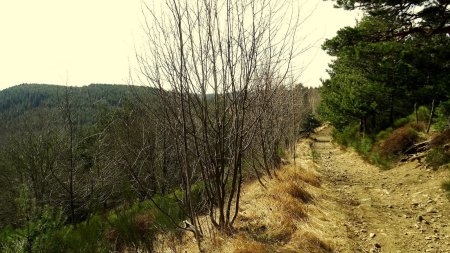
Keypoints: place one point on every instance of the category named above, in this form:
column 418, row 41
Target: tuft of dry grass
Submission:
column 293, row 208
column 282, row 232
column 291, row 173
column 311, row 178
column 293, row 189
column 307, row 242
column 251, row 247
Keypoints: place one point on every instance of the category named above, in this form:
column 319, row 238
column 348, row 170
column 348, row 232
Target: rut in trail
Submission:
column 398, row 210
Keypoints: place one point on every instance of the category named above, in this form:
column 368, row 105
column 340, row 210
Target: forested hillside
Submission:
column 40, row 124
column 23, row 104
column 78, row 162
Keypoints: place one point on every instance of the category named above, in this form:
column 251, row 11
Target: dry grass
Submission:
column 251, row 247
column 293, row 208
column 306, row 242
column 296, row 191
column 283, row 231
column 274, row 217
column 295, row 174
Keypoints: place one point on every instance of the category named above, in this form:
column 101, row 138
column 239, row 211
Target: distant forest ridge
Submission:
column 23, row 105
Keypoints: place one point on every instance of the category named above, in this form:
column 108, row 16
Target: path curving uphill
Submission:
column 398, row 210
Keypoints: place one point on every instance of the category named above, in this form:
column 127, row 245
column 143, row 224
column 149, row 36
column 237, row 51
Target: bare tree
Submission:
column 216, row 66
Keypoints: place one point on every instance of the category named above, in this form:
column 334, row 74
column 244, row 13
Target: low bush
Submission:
column 363, row 146
column 379, row 160
column 423, row 113
column 348, row 136
column 437, row 157
column 398, row 141
column 443, row 116
column 419, row 127
column 401, row 122
column 384, row 134
column 134, row 227
column 441, row 139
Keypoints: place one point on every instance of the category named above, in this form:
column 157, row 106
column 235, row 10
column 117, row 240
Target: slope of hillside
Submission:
column 345, row 205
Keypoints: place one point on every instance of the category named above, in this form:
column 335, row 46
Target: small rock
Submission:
column 420, row 218
column 428, row 238
column 431, row 210
column 372, row 235
column 377, row 245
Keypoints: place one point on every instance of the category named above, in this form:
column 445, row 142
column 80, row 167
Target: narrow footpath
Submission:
column 402, row 209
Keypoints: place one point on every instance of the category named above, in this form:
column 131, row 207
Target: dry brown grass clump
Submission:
column 282, row 232
column 296, row 191
column 291, row 173
column 398, row 141
column 293, row 208
column 307, row 242
column 419, row 127
column 251, row 247
column 311, row 178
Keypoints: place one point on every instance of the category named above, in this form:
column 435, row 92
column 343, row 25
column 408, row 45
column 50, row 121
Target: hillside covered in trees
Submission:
column 69, row 154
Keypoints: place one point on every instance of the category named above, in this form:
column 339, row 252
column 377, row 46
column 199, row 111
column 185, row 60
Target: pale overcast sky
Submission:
column 92, row 41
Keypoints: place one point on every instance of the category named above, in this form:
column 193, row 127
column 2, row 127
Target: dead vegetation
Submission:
column 276, row 217
column 398, row 141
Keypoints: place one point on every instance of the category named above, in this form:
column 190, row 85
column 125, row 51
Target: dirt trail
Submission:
column 398, row 210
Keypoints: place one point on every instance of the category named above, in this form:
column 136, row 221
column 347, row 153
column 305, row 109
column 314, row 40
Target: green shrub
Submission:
column 437, row 157
column 443, row 116
column 384, row 134
column 309, row 124
column 423, row 113
column 363, row 145
column 419, row 127
column 401, row 122
column 348, row 136
column 379, row 160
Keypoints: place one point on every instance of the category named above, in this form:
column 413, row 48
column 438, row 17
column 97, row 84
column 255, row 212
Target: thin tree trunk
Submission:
column 416, row 113
column 431, row 116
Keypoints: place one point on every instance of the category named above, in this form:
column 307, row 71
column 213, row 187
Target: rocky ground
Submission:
column 402, row 209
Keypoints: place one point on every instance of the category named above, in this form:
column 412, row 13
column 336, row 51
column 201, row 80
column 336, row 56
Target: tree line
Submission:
column 395, row 60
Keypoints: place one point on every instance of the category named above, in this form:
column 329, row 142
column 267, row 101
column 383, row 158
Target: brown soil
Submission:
column 402, row 209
